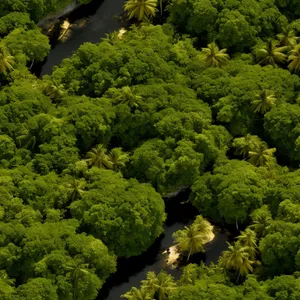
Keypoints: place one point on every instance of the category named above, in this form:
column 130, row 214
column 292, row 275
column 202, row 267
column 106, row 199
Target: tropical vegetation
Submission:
column 205, row 98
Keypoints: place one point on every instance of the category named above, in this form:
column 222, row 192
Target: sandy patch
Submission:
column 65, row 26
column 173, row 255
column 121, row 33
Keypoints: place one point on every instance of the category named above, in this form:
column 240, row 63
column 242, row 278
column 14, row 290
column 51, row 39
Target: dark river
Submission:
column 102, row 19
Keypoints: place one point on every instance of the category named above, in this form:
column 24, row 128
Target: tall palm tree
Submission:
column 189, row 240
column 6, row 60
column 294, row 59
column 78, row 269
column 137, row 294
column 140, row 9
column 213, row 56
column 247, row 143
column 98, row 157
column 248, row 239
column 75, row 188
column 271, row 54
column 260, row 222
column 118, row 158
column 128, row 97
column 161, row 7
column 288, row 37
column 264, row 101
column 237, row 258
column 262, row 157
column 160, row 286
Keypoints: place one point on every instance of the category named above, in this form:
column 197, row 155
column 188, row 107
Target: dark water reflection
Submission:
column 102, row 18
column 131, row 271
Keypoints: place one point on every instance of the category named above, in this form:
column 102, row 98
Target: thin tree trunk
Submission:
column 237, row 280
column 160, row 4
column 236, row 224
column 31, row 64
column 189, row 254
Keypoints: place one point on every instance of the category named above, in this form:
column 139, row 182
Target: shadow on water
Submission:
column 131, row 271
column 102, row 18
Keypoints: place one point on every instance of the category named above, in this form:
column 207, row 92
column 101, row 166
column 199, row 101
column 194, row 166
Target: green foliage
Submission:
column 231, row 193
column 289, row 212
column 125, row 215
column 36, row 8
column 282, row 126
column 7, row 147
column 235, row 30
column 231, row 23
column 29, row 43
column 15, row 20
column 37, row 288
column 279, row 248
column 232, row 93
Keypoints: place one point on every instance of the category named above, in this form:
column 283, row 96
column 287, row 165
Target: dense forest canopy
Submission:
column 207, row 98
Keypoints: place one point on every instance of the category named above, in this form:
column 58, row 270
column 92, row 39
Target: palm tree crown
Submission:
column 159, row 286
column 260, row 221
column 6, row 60
column 247, row 143
column 237, row 258
column 248, row 239
column 256, row 150
column 189, row 240
column 213, row 56
column 202, row 226
column 264, row 101
column 270, row 54
column 137, row 294
column 118, row 158
column 294, row 59
column 98, row 157
column 127, row 96
column 262, row 156
column 53, row 89
column 75, row 188
column 288, row 37
column 140, row 9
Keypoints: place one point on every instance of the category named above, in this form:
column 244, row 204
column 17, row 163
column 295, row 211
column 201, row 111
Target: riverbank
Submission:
column 101, row 18
column 50, row 20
